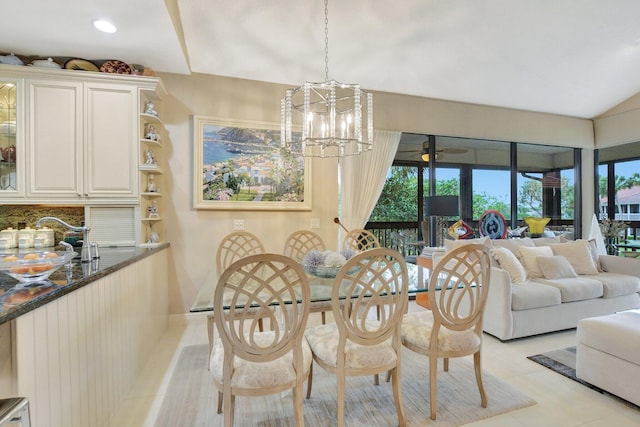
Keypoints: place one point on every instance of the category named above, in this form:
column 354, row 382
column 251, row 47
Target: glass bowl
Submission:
column 34, row 266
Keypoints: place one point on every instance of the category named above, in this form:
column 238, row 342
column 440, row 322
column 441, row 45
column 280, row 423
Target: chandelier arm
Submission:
column 326, row 40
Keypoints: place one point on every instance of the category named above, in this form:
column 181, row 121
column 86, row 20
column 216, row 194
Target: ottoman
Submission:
column 608, row 353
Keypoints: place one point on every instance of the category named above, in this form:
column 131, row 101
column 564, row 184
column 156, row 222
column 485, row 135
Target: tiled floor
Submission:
column 561, row 402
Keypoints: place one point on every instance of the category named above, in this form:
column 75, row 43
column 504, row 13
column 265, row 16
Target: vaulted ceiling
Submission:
column 569, row 57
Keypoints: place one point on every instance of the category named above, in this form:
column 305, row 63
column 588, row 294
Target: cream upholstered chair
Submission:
column 245, row 361
column 300, row 242
column 357, row 343
column 233, row 247
column 458, row 290
column 360, row 240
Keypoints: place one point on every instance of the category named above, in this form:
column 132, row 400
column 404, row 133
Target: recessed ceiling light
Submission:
column 104, row 26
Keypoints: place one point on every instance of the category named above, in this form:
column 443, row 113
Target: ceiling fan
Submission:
column 424, row 153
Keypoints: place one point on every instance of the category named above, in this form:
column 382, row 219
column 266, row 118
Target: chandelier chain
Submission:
column 326, row 40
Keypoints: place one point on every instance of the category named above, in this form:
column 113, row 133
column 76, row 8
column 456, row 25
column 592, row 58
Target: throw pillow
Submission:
column 593, row 249
column 578, row 254
column 528, row 257
column 555, row 267
column 508, row 261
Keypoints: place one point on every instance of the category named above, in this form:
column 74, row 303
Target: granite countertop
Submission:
column 17, row 299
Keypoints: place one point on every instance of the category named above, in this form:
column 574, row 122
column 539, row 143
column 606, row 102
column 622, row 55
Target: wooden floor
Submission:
column 561, row 401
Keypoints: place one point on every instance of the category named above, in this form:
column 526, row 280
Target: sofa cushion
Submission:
column 575, row 288
column 508, row 261
column 616, row 284
column 555, row 267
column 450, row 245
column 513, row 245
column 613, row 334
column 529, row 258
column 534, row 295
column 545, row 241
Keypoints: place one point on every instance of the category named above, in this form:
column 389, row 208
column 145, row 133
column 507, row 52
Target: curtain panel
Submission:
column 362, row 178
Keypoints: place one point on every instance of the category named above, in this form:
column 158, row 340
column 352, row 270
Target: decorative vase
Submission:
column 611, row 246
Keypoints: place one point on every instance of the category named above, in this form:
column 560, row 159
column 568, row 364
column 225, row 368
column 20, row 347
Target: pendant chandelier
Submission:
column 328, row 119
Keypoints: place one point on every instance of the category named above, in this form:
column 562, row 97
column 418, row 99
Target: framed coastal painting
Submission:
column 241, row 165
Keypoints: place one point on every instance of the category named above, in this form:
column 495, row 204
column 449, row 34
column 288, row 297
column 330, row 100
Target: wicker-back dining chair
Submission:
column 458, row 290
column 234, row 246
column 246, row 361
column 358, row 343
column 301, row 242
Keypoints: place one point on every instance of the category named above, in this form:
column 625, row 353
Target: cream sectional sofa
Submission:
column 559, row 297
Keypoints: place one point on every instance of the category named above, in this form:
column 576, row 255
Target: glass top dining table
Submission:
column 321, row 287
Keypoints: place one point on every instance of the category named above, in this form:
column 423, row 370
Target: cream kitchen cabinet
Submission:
column 80, row 141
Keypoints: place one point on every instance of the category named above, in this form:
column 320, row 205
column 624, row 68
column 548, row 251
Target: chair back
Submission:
column 300, row 242
column 254, row 285
column 458, row 288
column 360, row 240
column 235, row 246
column 372, row 281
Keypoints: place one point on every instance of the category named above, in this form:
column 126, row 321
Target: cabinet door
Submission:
column 54, row 139
column 12, row 151
column 111, row 142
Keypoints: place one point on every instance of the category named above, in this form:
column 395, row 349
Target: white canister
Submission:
column 5, row 243
column 26, row 236
column 11, row 235
column 43, row 238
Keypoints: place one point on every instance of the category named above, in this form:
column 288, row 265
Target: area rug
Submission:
column 191, row 398
column 563, row 361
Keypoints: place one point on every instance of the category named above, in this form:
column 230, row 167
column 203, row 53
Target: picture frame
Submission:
column 240, row 165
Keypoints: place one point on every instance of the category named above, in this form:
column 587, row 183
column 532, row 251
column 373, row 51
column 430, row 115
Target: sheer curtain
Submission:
column 362, row 178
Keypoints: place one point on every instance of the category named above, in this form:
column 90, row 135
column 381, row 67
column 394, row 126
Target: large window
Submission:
column 491, row 190
column 398, row 201
column 482, row 173
column 618, row 189
column 546, row 183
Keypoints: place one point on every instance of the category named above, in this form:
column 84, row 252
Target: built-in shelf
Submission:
column 151, row 147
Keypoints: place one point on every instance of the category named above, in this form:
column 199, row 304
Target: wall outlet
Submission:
column 238, row 224
column 315, row 223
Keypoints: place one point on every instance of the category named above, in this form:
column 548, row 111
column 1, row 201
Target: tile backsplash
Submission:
column 18, row 217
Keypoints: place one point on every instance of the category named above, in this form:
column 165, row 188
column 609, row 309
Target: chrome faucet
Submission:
column 85, row 255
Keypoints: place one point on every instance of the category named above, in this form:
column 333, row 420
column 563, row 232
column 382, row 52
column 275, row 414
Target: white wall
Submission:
column 195, row 234
column 619, row 125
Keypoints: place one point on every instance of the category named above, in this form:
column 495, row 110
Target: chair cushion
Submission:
column 256, row 375
column 323, row 341
column 416, row 331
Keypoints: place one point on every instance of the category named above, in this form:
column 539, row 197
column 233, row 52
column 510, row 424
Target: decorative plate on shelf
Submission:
column 80, row 64
column 115, row 67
